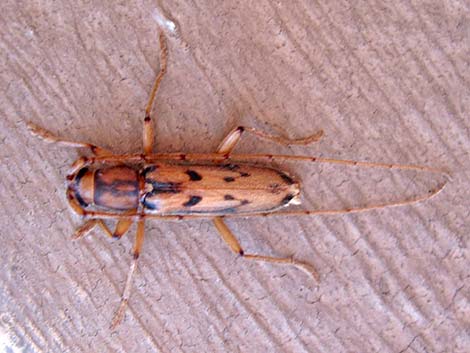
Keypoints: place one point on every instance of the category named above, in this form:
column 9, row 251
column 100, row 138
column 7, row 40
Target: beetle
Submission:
column 135, row 187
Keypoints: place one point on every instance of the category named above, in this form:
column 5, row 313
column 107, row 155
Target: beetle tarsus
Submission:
column 119, row 315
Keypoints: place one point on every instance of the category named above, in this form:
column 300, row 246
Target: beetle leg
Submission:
column 139, row 240
column 148, row 124
column 226, row 146
column 122, row 227
column 49, row 137
column 84, row 229
column 234, row 245
column 230, row 141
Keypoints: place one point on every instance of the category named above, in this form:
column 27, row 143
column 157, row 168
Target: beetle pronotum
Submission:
column 135, row 187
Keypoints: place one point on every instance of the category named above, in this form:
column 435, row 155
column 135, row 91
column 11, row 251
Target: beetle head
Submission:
column 82, row 186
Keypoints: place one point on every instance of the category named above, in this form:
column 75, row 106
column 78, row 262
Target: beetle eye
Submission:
column 84, row 185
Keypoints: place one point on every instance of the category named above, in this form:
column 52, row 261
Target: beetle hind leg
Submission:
column 234, row 245
column 234, row 136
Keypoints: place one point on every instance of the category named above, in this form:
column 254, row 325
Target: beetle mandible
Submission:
column 134, row 187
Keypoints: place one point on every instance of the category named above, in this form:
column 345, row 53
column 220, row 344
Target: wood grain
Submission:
column 387, row 82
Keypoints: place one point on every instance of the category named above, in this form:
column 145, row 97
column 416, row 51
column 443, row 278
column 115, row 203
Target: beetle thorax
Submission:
column 115, row 188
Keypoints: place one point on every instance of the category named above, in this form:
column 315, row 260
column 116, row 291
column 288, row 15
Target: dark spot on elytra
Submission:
column 287, row 199
column 163, row 187
column 275, row 188
column 149, row 204
column 286, row 178
column 217, row 212
column 194, row 176
column 182, row 157
column 193, row 200
column 244, row 174
column 231, row 166
column 147, row 119
column 245, row 202
column 228, row 210
column 229, row 197
column 229, row 179
column 149, row 169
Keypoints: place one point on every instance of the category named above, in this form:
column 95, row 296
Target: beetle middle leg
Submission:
column 148, row 134
column 234, row 136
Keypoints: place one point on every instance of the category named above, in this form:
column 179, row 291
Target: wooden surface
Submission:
column 386, row 83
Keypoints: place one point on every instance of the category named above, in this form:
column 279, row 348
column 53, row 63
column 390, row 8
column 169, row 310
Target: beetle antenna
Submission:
column 330, row 212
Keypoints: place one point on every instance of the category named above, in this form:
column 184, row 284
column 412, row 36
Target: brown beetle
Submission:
column 134, row 187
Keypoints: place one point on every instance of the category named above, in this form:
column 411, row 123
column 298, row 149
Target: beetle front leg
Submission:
column 122, row 227
column 49, row 137
column 230, row 141
column 139, row 240
column 234, row 245
column 88, row 226
column 148, row 134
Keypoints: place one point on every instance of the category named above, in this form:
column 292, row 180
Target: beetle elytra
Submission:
column 135, row 187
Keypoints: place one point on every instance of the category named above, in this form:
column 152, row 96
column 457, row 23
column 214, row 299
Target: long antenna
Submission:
column 259, row 157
